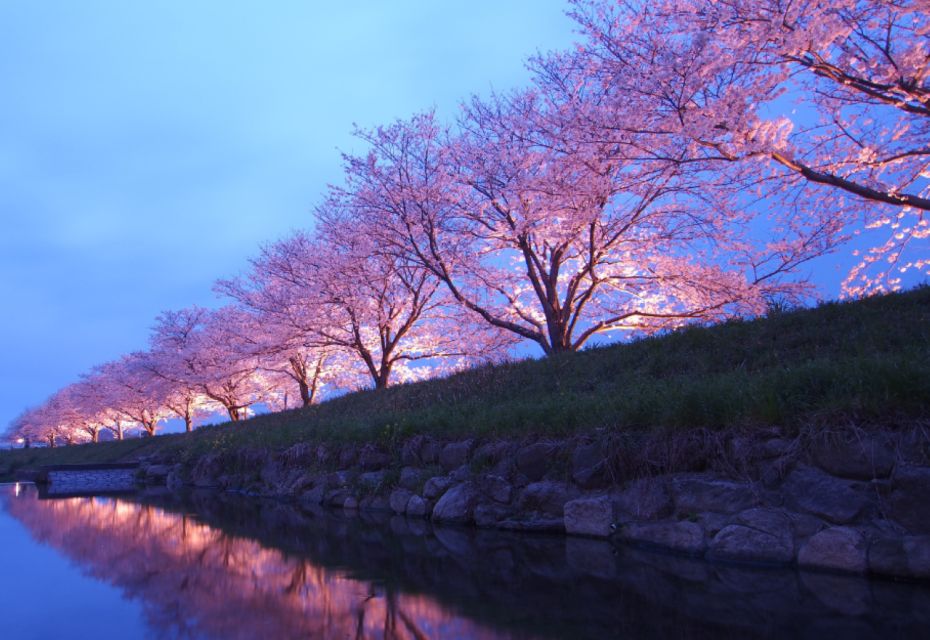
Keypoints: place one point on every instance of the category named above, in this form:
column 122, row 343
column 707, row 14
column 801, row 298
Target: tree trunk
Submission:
column 188, row 424
column 384, row 375
column 304, row 393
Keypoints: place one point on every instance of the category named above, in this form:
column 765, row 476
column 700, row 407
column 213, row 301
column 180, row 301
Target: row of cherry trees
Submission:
column 681, row 164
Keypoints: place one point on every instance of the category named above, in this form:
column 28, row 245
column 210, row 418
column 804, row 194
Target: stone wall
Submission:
column 71, row 481
column 856, row 502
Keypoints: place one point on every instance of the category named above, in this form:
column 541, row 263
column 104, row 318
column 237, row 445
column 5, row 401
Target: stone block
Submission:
column 697, row 493
column 534, row 460
column 457, row 505
column 810, row 490
column 837, row 548
column 455, row 454
column 590, row 516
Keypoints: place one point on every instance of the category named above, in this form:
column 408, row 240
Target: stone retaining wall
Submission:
column 852, row 502
column 72, row 481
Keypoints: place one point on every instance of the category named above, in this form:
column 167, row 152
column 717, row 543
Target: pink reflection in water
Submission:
column 197, row 581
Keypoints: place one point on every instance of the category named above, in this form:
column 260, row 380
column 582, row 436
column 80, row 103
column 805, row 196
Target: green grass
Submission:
column 866, row 361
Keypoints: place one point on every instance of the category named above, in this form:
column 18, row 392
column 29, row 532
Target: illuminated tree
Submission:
column 552, row 237
column 826, row 101
column 197, row 348
column 336, row 291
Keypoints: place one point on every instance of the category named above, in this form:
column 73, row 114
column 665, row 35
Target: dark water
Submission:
column 221, row 566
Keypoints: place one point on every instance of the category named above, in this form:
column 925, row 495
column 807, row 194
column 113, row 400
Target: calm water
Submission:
column 227, row 567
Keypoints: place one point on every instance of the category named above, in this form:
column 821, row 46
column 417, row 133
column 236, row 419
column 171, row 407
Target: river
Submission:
column 225, row 566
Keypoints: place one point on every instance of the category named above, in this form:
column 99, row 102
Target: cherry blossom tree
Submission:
column 557, row 238
column 133, row 392
column 98, row 396
column 283, row 346
column 830, row 99
column 339, row 293
column 179, row 397
column 40, row 424
column 197, row 348
column 79, row 406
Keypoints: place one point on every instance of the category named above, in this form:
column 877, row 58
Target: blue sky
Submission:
column 146, row 149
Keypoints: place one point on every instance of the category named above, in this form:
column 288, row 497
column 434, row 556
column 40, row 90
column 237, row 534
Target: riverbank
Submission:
column 799, row 438
column 847, row 501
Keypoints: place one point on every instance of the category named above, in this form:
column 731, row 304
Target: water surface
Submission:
column 224, row 566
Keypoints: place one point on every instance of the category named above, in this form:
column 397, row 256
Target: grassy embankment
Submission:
column 866, row 362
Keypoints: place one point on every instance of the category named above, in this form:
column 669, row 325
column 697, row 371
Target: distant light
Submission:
column 16, row 490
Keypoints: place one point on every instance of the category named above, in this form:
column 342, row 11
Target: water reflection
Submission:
column 243, row 568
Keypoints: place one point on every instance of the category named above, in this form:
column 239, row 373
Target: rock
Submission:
column 456, row 505
column 806, row 525
column 697, row 493
column 335, row 497
column 773, row 543
column 685, row 537
column 399, row 500
column 416, row 507
column 491, row 454
column 859, row 458
column 772, row 521
column 371, row 480
column 534, row 460
column 157, row 472
column 410, row 451
column 838, row 548
column 546, row 497
column 644, row 499
column 429, row 451
column 323, row 454
column 775, row 448
column 299, row 483
column 812, row 491
column 347, row 457
column 300, row 455
column 461, row 474
column 496, row 488
column 410, row 478
column 455, row 454
column 272, row 473
column 909, row 502
column 339, row 479
column 711, row 522
column 914, row 447
column 350, row 503
column 436, row 486
column 588, row 465
column 488, row 515
column 175, row 479
column 314, row 496
column 371, row 459
column 917, row 550
column 206, row 471
column 887, row 557
column 589, row 516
